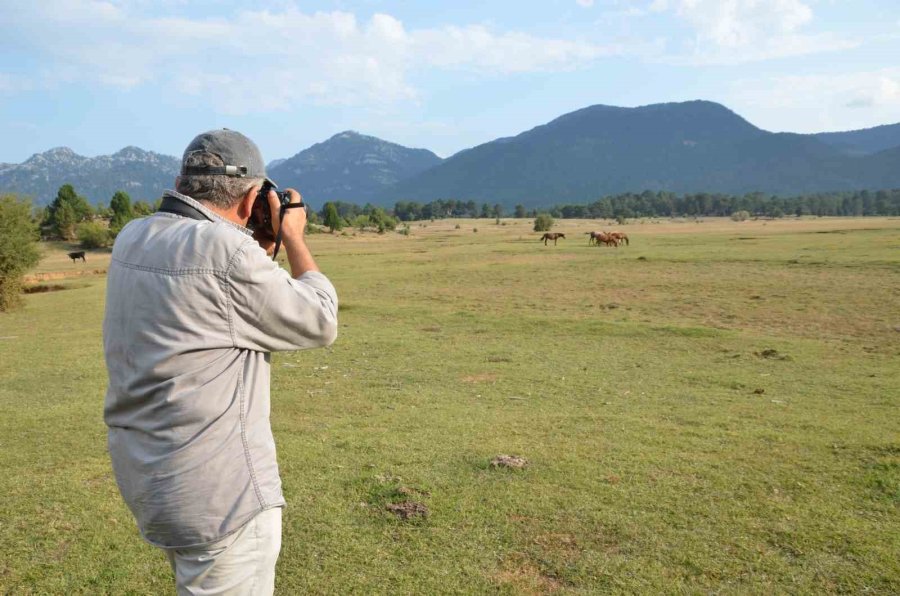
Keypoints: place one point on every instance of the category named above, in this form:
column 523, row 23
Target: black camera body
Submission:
column 261, row 215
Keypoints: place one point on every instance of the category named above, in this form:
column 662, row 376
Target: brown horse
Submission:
column 619, row 237
column 595, row 237
column 552, row 236
column 603, row 237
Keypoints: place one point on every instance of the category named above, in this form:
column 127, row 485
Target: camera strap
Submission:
column 280, row 221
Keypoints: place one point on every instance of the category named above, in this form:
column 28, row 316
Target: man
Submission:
column 194, row 307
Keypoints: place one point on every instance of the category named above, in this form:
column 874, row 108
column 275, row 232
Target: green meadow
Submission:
column 711, row 409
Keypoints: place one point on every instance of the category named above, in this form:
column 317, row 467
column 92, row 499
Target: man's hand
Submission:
column 294, row 219
column 293, row 226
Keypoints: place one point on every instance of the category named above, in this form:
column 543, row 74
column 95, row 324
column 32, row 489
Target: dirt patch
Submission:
column 527, row 578
column 509, row 461
column 38, row 277
column 772, row 354
column 408, row 510
column 480, row 378
column 40, row 289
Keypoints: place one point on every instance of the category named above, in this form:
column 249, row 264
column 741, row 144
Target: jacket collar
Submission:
column 203, row 210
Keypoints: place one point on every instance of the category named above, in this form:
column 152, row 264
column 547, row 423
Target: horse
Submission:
column 77, row 255
column 595, row 238
column 552, row 236
column 619, row 237
column 603, row 237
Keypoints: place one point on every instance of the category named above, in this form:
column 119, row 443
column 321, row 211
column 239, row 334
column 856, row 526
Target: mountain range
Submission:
column 142, row 174
column 695, row 146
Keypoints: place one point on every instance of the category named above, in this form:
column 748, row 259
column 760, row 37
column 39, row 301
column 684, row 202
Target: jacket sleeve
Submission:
column 269, row 311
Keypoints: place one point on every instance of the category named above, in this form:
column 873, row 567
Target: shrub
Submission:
column 360, row 222
column 18, row 248
column 475, row 230
column 93, row 234
column 740, row 216
column 543, row 222
column 404, row 230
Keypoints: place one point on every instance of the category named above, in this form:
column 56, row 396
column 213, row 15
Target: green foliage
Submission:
column 67, row 211
column 740, row 215
column 143, row 209
column 543, row 222
column 379, row 218
column 18, row 248
column 333, row 221
column 667, row 204
column 360, row 222
column 122, row 213
column 93, row 234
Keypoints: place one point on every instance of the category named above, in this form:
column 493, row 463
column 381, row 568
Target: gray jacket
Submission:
column 193, row 309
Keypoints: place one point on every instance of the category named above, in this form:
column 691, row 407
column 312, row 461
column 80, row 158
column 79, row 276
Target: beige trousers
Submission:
column 241, row 564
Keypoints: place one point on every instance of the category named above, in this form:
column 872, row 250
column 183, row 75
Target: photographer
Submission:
column 194, row 307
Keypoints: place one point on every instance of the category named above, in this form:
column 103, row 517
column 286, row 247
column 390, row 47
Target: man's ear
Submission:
column 245, row 207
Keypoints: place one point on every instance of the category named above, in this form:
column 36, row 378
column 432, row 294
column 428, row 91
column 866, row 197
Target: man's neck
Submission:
column 229, row 214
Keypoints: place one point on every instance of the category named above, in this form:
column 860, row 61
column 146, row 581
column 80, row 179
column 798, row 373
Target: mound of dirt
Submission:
column 408, row 509
column 509, row 461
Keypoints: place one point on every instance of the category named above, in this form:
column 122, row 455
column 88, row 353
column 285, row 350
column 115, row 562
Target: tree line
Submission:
column 667, row 204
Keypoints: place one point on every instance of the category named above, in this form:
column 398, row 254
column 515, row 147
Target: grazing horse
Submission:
column 77, row 255
column 552, row 236
column 594, row 237
column 619, row 237
column 603, row 237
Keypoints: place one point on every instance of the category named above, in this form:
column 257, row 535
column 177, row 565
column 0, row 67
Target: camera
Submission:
column 261, row 216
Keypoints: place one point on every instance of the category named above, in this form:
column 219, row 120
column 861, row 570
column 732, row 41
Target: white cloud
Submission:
column 814, row 103
column 738, row 31
column 585, row 3
column 257, row 60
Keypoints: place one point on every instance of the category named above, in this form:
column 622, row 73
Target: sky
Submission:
column 97, row 76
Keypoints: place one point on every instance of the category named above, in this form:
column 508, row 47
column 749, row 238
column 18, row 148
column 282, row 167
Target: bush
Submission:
column 543, row 222
column 360, row 222
column 93, row 234
column 18, row 248
column 740, row 216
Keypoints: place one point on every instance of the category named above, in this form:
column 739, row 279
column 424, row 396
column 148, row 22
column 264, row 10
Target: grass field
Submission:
column 712, row 409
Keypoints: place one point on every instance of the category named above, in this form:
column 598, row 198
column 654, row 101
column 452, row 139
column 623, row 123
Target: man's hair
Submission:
column 218, row 190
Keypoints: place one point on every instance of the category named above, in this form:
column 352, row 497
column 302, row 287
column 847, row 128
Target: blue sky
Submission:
column 99, row 75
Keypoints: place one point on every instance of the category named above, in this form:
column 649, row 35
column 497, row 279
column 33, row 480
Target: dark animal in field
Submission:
column 552, row 236
column 620, row 237
column 77, row 255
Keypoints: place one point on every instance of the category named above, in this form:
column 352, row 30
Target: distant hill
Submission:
column 695, row 146
column 142, row 174
column 349, row 167
column 865, row 141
